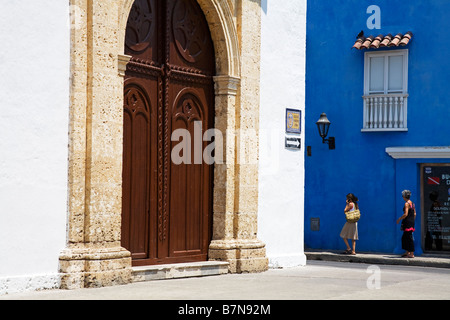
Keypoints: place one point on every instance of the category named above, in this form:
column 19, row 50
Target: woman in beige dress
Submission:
column 350, row 229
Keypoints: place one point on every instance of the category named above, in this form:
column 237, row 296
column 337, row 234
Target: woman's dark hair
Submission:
column 353, row 199
column 406, row 194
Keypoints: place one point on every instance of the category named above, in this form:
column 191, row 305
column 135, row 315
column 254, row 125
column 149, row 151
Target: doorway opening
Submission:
column 166, row 206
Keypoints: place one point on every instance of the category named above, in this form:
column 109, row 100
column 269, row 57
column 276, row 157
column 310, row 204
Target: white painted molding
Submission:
column 419, row 152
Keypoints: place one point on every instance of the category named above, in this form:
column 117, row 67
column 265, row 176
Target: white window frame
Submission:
column 391, row 100
column 385, row 54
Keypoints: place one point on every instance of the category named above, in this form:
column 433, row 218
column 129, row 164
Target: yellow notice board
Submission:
column 293, row 121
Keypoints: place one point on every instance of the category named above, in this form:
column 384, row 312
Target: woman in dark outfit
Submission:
column 408, row 218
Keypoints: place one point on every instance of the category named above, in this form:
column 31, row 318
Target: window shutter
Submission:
column 376, row 75
column 395, row 74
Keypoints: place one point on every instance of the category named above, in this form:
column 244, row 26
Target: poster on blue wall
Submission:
column 436, row 206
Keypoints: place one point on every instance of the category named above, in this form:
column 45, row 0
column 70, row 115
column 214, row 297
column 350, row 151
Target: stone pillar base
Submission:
column 242, row 255
column 91, row 267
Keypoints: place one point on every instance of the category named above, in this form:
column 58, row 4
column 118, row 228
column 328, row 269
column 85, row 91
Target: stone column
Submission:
column 236, row 181
column 93, row 256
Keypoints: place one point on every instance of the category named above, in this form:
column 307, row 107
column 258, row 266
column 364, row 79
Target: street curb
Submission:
column 432, row 261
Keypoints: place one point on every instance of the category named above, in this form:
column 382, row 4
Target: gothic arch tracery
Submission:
column 223, row 31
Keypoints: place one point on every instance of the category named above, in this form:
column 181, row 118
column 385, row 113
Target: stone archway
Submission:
column 93, row 256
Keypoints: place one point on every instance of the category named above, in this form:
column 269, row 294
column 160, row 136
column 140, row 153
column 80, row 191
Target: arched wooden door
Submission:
column 167, row 207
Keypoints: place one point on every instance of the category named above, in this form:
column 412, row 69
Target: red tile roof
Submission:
column 381, row 41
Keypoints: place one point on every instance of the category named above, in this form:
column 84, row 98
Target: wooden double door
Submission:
column 167, row 204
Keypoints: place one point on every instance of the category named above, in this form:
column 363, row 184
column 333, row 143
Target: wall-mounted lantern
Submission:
column 324, row 125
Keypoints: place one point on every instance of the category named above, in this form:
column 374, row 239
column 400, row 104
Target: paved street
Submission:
column 318, row 280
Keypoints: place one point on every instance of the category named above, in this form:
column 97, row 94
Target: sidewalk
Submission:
column 425, row 260
column 318, row 280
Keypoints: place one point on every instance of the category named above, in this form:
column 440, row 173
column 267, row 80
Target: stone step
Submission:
column 180, row 270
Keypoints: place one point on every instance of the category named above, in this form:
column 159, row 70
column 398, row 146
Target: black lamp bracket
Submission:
column 331, row 142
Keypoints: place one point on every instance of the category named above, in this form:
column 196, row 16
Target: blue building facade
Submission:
column 389, row 108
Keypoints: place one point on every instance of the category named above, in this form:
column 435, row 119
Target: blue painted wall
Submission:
column 335, row 85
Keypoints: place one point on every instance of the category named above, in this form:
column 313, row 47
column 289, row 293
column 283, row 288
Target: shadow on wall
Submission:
column 264, row 5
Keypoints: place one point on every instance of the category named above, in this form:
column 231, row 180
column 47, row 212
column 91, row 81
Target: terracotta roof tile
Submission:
column 382, row 41
column 387, row 39
column 377, row 41
column 367, row 42
column 406, row 39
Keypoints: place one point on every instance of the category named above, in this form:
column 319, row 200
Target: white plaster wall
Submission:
column 34, row 110
column 281, row 171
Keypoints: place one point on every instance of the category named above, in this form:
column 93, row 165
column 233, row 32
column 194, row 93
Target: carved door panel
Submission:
column 190, row 183
column 139, row 161
column 167, row 205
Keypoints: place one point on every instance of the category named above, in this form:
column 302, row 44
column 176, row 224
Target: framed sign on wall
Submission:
column 435, row 196
column 293, row 121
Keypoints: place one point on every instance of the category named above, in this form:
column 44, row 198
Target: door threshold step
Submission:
column 179, row 270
